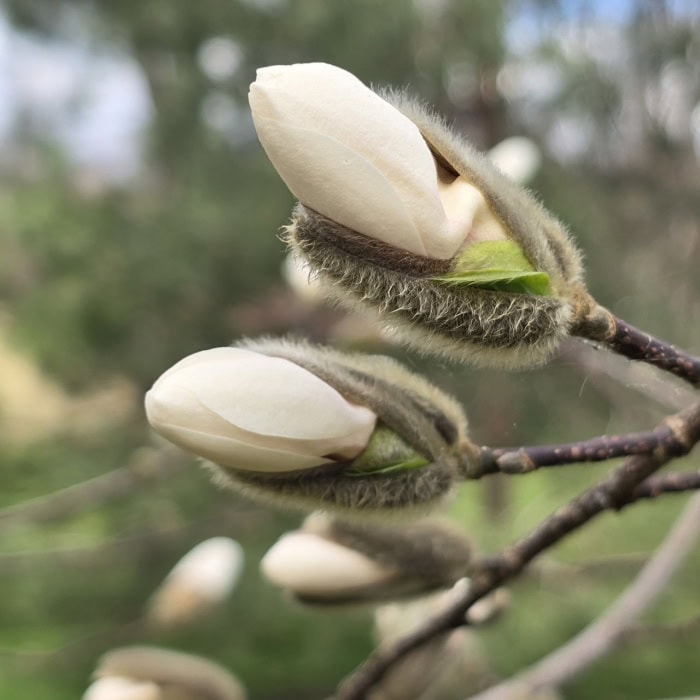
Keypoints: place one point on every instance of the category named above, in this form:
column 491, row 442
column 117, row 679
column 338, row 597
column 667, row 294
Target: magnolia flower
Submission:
column 254, row 412
column 150, row 673
column 202, row 579
column 348, row 154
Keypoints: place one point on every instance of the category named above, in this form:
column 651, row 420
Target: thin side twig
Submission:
column 603, row 635
column 609, row 494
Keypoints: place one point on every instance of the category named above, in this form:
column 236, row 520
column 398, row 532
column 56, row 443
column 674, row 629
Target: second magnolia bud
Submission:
column 332, row 562
column 311, row 428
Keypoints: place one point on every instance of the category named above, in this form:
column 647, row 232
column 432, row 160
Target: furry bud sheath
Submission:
column 418, row 447
column 331, row 562
column 309, row 427
column 399, row 215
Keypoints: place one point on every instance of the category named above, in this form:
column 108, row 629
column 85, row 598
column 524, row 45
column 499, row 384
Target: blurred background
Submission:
column 139, row 221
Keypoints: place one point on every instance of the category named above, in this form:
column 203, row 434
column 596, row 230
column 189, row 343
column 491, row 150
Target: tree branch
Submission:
column 624, row 339
column 606, row 632
column 610, row 494
column 522, row 460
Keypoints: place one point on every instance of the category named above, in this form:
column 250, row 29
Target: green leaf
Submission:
column 406, row 465
column 499, row 266
column 386, row 453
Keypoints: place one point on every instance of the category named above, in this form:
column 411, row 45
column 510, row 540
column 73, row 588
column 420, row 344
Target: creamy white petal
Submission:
column 311, row 565
column 339, row 183
column 467, row 210
column 230, row 452
column 269, row 396
column 312, row 101
column 171, row 406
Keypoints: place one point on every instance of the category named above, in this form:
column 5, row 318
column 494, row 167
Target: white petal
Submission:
column 229, row 404
column 231, row 453
column 339, row 183
column 467, row 212
column 271, row 396
column 311, row 565
column 118, row 688
column 324, row 106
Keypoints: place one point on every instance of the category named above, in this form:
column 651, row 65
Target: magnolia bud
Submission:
column 200, row 581
column 332, row 562
column 310, row 427
column 415, row 454
column 150, row 673
column 249, row 411
column 398, row 215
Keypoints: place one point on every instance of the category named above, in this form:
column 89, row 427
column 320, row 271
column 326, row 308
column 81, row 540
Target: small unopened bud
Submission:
column 200, row 581
column 398, row 215
column 150, row 673
column 332, row 562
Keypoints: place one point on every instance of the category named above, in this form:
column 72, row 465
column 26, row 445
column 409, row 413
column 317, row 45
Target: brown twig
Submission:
column 522, row 460
column 610, row 494
column 624, row 339
column 607, row 631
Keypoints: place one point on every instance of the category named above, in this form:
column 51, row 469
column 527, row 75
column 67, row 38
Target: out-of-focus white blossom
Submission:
column 348, row 154
column 518, row 157
column 152, row 673
column 250, row 411
column 307, row 564
column 118, row 688
column 201, row 580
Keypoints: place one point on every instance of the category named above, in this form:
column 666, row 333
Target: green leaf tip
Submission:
column 386, row 453
column 500, row 266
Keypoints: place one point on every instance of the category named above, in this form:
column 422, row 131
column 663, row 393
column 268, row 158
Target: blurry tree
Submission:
column 104, row 278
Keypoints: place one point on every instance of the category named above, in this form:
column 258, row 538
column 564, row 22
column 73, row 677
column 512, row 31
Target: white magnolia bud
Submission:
column 310, row 565
column 253, row 412
column 161, row 674
column 348, row 154
column 202, row 579
column 118, row 688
